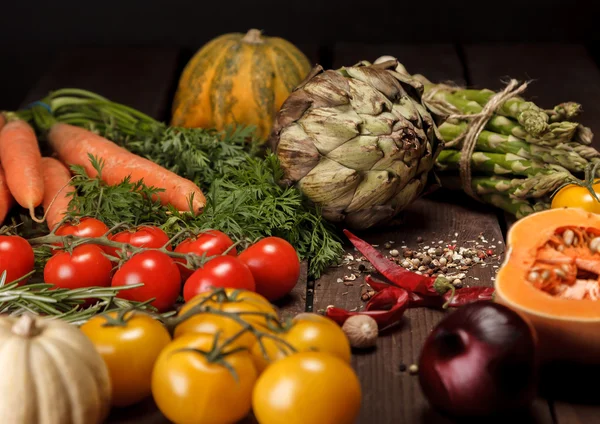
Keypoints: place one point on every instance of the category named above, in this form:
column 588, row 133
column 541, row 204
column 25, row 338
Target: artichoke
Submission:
column 357, row 141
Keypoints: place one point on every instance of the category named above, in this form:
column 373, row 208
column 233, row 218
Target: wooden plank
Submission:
column 21, row 69
column 567, row 384
column 142, row 78
column 392, row 395
column 561, row 73
column 295, row 302
column 186, row 22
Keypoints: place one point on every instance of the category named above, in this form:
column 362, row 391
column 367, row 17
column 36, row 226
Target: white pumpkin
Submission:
column 50, row 374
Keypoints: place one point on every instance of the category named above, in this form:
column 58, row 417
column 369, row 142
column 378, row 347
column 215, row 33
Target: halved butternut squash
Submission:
column 550, row 275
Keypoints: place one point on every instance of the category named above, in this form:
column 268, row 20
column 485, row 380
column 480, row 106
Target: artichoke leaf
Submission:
column 382, row 124
column 376, row 188
column 394, row 160
column 330, row 184
column 360, row 153
column 330, row 127
column 328, row 89
column 406, row 109
column 409, row 193
column 380, row 80
column 296, row 152
column 367, row 100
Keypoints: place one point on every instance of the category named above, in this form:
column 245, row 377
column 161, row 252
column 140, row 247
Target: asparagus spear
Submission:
column 497, row 163
column 557, row 132
column 536, row 186
column 529, row 115
column 584, row 135
column 500, row 143
column 517, row 207
column 586, row 152
column 564, row 112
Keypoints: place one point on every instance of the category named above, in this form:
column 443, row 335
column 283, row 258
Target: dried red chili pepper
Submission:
column 400, row 277
column 376, row 285
column 467, row 295
column 386, row 298
column 384, row 318
column 454, row 299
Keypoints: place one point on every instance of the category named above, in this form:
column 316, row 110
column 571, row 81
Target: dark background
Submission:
column 32, row 33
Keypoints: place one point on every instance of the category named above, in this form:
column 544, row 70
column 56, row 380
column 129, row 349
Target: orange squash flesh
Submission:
column 568, row 329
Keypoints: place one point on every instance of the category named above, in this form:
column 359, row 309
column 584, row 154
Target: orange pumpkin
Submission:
column 550, row 275
column 238, row 79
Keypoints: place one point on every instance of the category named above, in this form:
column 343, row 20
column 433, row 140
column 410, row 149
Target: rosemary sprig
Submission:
column 65, row 304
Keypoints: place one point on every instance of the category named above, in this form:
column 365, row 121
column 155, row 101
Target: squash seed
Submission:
column 566, row 268
column 595, row 244
column 533, row 276
column 560, row 248
column 560, row 273
column 545, row 275
column 568, row 237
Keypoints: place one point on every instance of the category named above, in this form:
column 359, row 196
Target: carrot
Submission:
column 73, row 144
column 22, row 162
column 6, row 199
column 56, row 190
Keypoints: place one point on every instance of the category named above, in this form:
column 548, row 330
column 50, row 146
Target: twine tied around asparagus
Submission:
column 477, row 123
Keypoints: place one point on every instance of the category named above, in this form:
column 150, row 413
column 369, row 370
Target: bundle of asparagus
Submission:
column 523, row 155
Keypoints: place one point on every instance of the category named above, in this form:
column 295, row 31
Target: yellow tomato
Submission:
column 311, row 316
column 275, row 350
column 307, row 387
column 129, row 351
column 307, row 332
column 310, row 332
column 246, row 306
column 233, row 295
column 574, row 196
column 190, row 387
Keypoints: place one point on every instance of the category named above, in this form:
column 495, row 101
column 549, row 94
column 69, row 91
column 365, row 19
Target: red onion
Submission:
column 481, row 359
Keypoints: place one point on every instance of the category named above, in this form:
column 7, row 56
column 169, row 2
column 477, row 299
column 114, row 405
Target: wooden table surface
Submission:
column 145, row 78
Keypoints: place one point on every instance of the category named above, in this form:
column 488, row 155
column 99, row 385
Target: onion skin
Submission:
column 480, row 360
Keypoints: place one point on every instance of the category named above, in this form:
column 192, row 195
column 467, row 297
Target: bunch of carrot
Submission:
column 32, row 180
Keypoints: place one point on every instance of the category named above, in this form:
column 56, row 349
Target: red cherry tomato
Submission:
column 142, row 236
column 16, row 258
column 222, row 271
column 211, row 243
column 85, row 267
column 82, row 227
column 275, row 266
column 157, row 272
